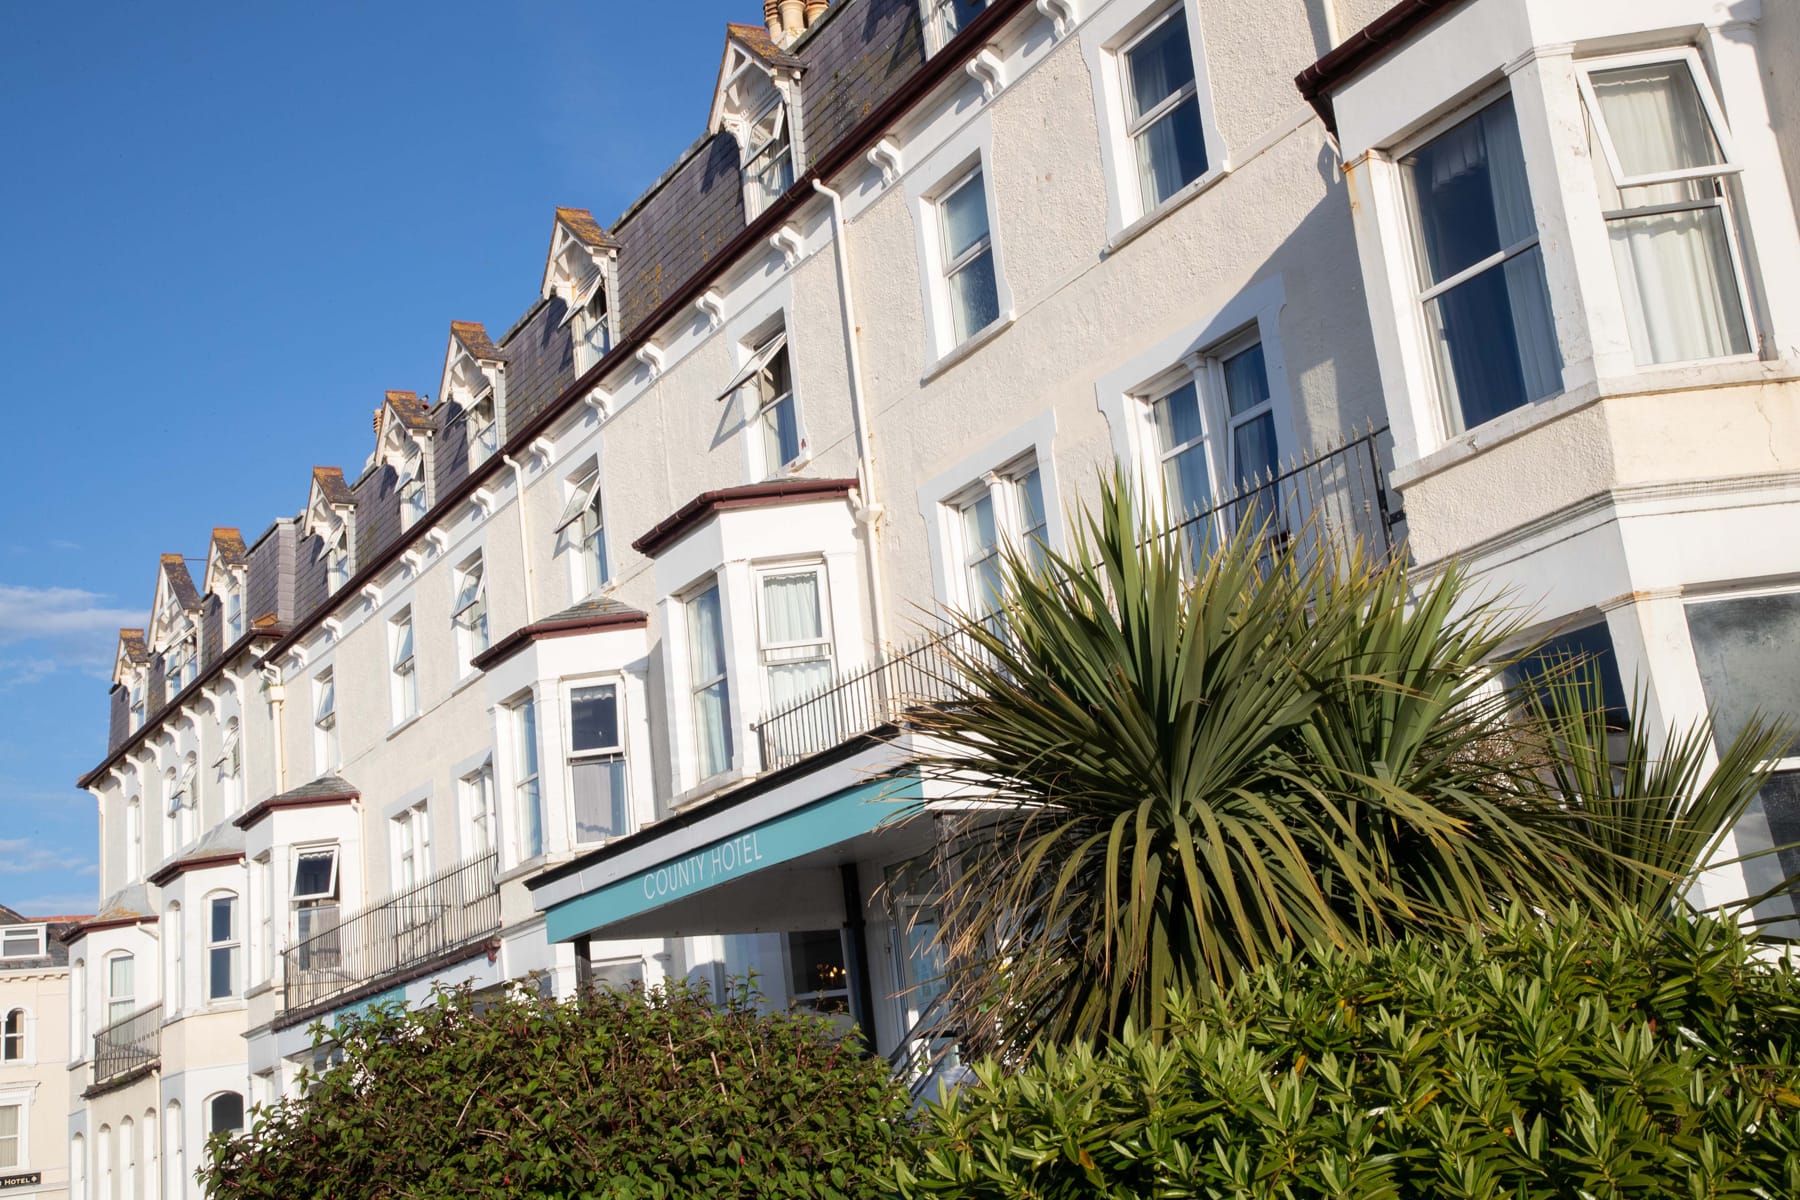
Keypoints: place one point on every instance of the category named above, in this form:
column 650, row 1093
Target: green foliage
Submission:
column 1543, row 1060
column 618, row 1095
column 1185, row 772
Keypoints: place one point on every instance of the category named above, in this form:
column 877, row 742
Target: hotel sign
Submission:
column 827, row 822
column 23, row 1179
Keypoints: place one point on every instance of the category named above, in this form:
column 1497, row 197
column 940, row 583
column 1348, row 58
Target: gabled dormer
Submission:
column 227, row 573
column 131, row 662
column 331, row 517
column 475, row 381
column 403, row 442
column 757, row 101
column 583, row 269
column 175, row 623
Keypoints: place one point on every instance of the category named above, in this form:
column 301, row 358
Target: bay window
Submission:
column 971, row 286
column 1162, row 109
column 223, row 942
column 709, row 683
column 795, row 634
column 1485, row 301
column 1662, row 161
column 528, row 802
column 483, row 430
column 314, row 897
column 597, row 763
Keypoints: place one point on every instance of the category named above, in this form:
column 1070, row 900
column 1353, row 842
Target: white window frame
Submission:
column 1205, row 369
column 234, row 610
column 481, row 816
column 760, row 407
column 220, row 1095
column 1726, row 199
column 1134, row 128
column 337, row 556
column 327, row 903
column 469, row 611
column 263, row 883
column 1004, row 488
column 331, row 889
column 19, row 1099
column 410, row 843
column 134, row 838
column 527, row 782
column 714, row 583
column 172, row 934
column 328, row 753
column 482, row 423
column 937, row 17
column 772, row 654
column 403, row 666
column 230, row 765
column 13, row 932
column 111, row 1000
column 757, row 198
column 137, row 704
column 582, row 528
column 616, row 752
column 15, row 1047
column 410, row 486
column 232, row 944
column 948, row 268
column 179, row 669
column 590, row 313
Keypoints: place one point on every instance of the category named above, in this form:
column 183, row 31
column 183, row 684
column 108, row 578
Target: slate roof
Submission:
column 325, row 786
column 331, row 482
column 221, row 841
column 413, row 413
column 473, row 337
column 601, row 606
column 181, row 582
column 587, row 231
column 229, row 545
column 133, row 646
column 57, row 952
column 756, row 39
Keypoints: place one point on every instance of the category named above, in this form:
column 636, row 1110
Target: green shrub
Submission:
column 1546, row 1059
column 616, row 1095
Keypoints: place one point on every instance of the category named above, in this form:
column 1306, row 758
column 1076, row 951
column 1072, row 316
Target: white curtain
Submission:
column 1676, row 276
column 792, row 618
column 712, row 703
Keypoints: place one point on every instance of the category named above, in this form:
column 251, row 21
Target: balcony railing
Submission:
column 1330, row 501
column 127, row 1045
column 453, row 908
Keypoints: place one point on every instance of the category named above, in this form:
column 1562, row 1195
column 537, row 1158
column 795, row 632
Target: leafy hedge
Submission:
column 615, row 1095
column 1548, row 1059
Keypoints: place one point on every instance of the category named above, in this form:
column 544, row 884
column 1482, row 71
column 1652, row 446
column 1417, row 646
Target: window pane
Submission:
column 224, row 911
column 531, row 815
column 1781, row 807
column 312, row 873
column 119, row 977
column 221, row 972
column 1748, row 652
column 1190, row 490
column 527, row 731
column 791, row 611
column 1497, row 347
column 227, row 1112
column 781, row 435
column 974, row 296
column 712, row 737
column 1178, row 417
column 1591, row 645
column 774, row 380
column 979, row 531
column 599, row 799
column 986, row 584
column 816, row 964
column 594, row 717
column 1246, row 380
column 1160, row 65
column 706, row 632
column 1654, row 116
column 1679, row 285
column 1253, row 451
column 1031, row 498
column 965, row 218
column 1471, row 193
column 1171, row 153
column 790, row 682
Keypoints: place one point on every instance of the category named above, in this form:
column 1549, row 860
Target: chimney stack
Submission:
column 787, row 19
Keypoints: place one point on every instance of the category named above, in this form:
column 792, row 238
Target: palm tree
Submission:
column 1184, row 769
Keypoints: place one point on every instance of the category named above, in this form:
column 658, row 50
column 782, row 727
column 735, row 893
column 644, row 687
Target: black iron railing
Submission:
column 457, row 906
column 128, row 1044
column 1316, row 506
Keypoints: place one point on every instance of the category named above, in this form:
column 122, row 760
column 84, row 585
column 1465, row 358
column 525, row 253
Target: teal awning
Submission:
column 816, row 826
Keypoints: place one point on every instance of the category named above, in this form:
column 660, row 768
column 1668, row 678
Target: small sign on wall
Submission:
column 23, row 1179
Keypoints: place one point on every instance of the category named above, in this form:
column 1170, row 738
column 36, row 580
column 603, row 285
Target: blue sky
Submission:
column 224, row 231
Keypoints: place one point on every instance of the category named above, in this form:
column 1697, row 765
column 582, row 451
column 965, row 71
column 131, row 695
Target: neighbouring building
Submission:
column 34, row 1055
column 590, row 671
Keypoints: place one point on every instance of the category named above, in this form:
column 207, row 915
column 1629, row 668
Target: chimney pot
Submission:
column 815, row 9
column 793, row 20
column 772, row 18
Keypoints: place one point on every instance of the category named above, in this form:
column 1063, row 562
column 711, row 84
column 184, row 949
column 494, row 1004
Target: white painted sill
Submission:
column 969, row 345
column 403, row 726
column 1161, row 212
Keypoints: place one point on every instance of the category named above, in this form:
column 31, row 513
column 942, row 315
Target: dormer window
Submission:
column 234, row 612
column 179, row 667
column 137, row 705
column 945, row 18
column 593, row 323
column 412, row 488
column 337, row 558
column 484, row 431
column 768, row 159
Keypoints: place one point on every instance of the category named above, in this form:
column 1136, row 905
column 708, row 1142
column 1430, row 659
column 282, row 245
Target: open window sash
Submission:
column 757, row 361
column 582, row 297
column 1714, row 142
column 315, row 874
column 471, row 602
column 579, row 500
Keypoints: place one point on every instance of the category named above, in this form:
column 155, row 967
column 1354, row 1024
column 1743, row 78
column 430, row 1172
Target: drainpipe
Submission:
column 869, row 512
column 518, row 471
column 277, row 693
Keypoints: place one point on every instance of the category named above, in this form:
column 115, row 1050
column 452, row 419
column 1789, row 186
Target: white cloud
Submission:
column 56, row 612
column 19, row 856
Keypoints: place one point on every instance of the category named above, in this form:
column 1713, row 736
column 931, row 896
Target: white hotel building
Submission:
column 590, row 671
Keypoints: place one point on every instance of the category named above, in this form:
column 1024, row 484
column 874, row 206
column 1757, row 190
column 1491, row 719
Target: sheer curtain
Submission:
column 1670, row 240
column 712, row 698
column 795, row 649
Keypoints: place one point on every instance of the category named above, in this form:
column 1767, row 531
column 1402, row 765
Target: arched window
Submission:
column 223, row 940
column 103, row 1162
column 78, row 1168
column 12, row 1037
column 225, row 1113
column 172, row 936
column 152, row 1157
column 177, row 1170
column 121, row 987
column 128, row 1158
